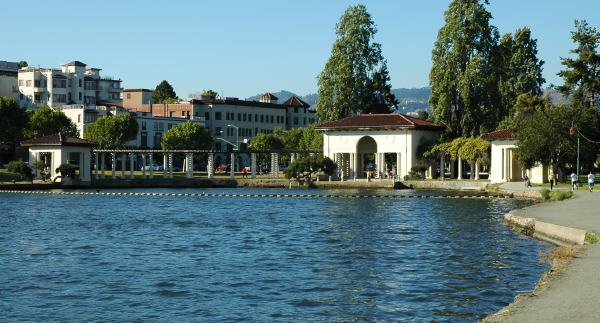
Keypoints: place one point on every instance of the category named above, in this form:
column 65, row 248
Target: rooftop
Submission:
column 295, row 101
column 56, row 140
column 379, row 122
column 268, row 96
column 502, row 134
column 75, row 63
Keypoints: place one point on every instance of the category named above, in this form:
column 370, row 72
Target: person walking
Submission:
column 551, row 180
column 527, row 181
column 573, row 181
column 591, row 180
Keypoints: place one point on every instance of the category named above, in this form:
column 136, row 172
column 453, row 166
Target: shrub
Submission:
column 67, row 170
column 19, row 167
column 548, row 195
column 591, row 238
column 545, row 193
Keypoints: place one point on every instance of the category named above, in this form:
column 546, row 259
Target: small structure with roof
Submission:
column 377, row 145
column 504, row 164
column 55, row 150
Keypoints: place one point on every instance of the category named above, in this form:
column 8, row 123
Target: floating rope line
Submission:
column 256, row 195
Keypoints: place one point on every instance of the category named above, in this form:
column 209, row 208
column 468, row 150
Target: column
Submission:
column 165, row 165
column 353, row 166
column 442, row 171
column 253, row 165
column 113, row 168
column 97, row 166
column 82, row 169
column 123, row 163
column 292, row 157
column 170, row 165
column 151, row 162
column 232, row 170
column 274, row 165
column 131, row 165
column 143, row 166
column 430, row 171
column 190, row 167
column 102, row 165
column 398, row 165
column 210, row 165
column 460, row 168
column 452, row 172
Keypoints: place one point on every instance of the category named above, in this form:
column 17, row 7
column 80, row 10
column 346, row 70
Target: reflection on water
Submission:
column 123, row 258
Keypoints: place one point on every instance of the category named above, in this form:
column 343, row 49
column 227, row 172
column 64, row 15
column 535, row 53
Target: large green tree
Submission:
column 111, row 132
column 45, row 121
column 187, row 135
column 582, row 73
column 13, row 120
column 519, row 69
column 355, row 77
column 544, row 133
column 265, row 141
column 164, row 93
column 464, row 91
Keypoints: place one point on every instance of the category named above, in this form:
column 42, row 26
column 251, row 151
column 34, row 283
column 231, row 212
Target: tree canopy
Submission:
column 265, row 141
column 355, row 78
column 111, row 132
column 22, row 64
column 164, row 93
column 187, row 135
column 44, row 121
column 582, row 73
column 209, row 93
column 13, row 120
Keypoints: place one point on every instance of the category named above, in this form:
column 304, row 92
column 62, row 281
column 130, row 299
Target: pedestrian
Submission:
column 527, row 181
column 591, row 180
column 244, row 172
column 573, row 181
column 551, row 180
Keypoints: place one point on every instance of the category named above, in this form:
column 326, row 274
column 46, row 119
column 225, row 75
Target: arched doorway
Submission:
column 366, row 148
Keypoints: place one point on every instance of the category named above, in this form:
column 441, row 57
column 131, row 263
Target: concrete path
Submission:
column 575, row 295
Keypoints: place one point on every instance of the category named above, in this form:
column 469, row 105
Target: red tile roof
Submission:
column 295, row 101
column 56, row 140
column 502, row 134
column 379, row 122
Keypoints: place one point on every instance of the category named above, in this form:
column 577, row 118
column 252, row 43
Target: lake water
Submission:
column 173, row 258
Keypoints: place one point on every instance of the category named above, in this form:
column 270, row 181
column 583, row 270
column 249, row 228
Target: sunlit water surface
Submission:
column 162, row 258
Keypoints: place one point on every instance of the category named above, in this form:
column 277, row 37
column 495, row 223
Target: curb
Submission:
column 556, row 234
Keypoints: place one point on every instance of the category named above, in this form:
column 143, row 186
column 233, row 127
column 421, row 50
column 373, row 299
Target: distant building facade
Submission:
column 74, row 83
column 231, row 119
column 9, row 79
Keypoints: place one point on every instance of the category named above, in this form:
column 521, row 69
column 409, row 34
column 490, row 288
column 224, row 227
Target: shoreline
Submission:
column 568, row 225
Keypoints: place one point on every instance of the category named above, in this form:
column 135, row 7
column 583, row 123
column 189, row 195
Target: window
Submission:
column 45, row 83
column 217, row 115
column 239, row 117
column 69, row 97
column 304, row 122
column 207, row 115
column 70, row 83
column 143, row 125
column 157, row 139
column 28, row 83
column 59, row 98
column 37, row 98
column 21, row 82
column 129, row 95
column 295, row 109
column 36, row 83
column 159, row 126
column 295, row 120
column 226, row 115
column 218, row 146
column 262, row 118
column 218, row 131
column 256, row 118
column 144, row 139
column 79, row 96
column 255, row 131
column 80, row 83
column 78, row 118
column 244, row 117
column 59, row 83
column 271, row 119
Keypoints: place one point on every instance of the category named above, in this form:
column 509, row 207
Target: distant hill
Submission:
column 410, row 99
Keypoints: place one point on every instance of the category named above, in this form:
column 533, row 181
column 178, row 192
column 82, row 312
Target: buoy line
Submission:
column 253, row 195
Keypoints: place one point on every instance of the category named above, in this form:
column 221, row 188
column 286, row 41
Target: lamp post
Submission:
column 237, row 136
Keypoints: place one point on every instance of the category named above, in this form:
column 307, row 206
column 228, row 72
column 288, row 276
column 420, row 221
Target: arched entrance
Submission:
column 366, row 148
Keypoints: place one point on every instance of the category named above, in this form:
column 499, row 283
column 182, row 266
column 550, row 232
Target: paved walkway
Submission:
column 575, row 295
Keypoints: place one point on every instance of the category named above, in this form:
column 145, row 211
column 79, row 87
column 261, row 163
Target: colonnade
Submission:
column 145, row 162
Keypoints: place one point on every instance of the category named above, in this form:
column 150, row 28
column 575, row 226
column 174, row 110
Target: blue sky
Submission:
column 241, row 48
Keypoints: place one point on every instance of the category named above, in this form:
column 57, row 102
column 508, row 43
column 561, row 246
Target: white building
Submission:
column 8, row 79
column 504, row 165
column 376, row 143
column 54, row 150
column 74, row 83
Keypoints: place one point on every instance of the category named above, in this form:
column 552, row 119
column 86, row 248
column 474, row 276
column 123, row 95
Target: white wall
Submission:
column 60, row 155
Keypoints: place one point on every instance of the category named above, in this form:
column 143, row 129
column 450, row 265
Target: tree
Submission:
column 187, row 135
column 111, row 132
column 544, row 135
column 304, row 167
column 423, row 115
column 521, row 70
column 582, row 73
column 264, row 142
column 300, row 138
column 22, row 64
column 355, row 77
column 45, row 121
column 13, row 120
column 209, row 94
column 464, row 93
column 164, row 93
column 19, row 167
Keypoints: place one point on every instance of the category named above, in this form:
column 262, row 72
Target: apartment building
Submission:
column 150, row 128
column 8, row 79
column 73, row 84
column 230, row 120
